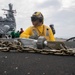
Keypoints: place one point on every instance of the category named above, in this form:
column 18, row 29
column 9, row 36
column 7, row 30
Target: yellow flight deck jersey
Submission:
column 41, row 30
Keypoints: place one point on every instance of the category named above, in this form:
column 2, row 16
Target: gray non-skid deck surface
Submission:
column 13, row 63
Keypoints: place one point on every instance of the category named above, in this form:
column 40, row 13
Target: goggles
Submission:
column 34, row 18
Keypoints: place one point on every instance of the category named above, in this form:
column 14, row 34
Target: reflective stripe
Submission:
column 35, row 32
column 44, row 33
column 47, row 32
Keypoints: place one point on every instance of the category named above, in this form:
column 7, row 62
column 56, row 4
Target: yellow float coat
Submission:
column 42, row 30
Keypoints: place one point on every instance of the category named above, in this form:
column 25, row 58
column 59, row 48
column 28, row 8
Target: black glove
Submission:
column 34, row 37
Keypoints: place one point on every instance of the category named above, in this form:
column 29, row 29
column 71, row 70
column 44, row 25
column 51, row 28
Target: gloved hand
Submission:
column 34, row 37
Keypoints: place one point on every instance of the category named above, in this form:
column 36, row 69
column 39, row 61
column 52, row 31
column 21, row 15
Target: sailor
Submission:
column 21, row 30
column 53, row 29
column 13, row 33
column 17, row 34
column 38, row 28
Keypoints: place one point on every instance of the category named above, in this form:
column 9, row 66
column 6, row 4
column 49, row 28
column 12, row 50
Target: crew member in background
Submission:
column 21, row 30
column 17, row 34
column 13, row 34
column 52, row 27
column 38, row 28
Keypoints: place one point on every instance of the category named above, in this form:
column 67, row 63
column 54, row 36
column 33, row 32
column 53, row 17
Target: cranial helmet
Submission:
column 37, row 16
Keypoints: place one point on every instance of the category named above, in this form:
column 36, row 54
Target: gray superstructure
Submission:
column 8, row 23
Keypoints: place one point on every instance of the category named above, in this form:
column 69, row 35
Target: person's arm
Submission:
column 26, row 33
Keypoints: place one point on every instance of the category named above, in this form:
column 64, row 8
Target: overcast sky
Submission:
column 61, row 13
